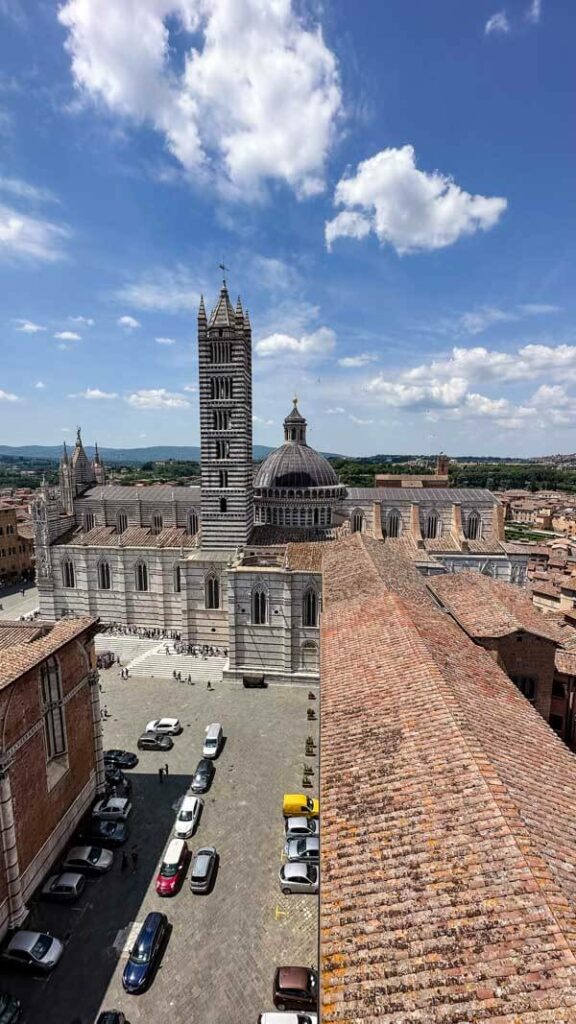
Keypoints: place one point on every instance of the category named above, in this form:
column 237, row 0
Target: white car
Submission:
column 301, row 828
column 298, row 877
column 167, row 726
column 112, row 808
column 35, row 950
column 297, row 1017
column 188, row 816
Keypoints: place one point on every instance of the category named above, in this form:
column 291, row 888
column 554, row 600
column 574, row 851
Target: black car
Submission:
column 115, row 779
column 155, row 741
column 203, row 776
column 10, row 1008
column 120, row 759
column 145, row 953
column 111, row 1017
column 103, row 833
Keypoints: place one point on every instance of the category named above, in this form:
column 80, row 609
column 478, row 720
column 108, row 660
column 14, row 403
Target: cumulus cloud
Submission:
column 8, row 396
column 534, row 12
column 68, row 336
column 480, row 364
column 23, row 237
column 497, row 24
column 95, row 395
column 165, row 341
column 308, row 346
column 192, row 388
column 157, row 398
column 128, row 322
column 479, row 320
column 165, row 290
column 40, row 385
column 336, row 411
column 351, row 362
column 28, row 327
column 264, row 422
column 409, row 209
column 22, row 190
column 85, row 321
column 233, row 109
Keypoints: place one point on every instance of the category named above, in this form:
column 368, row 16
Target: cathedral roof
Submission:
column 295, row 465
column 223, row 313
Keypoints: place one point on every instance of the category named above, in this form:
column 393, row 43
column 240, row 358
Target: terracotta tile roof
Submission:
column 485, row 607
column 547, row 588
column 565, row 661
column 21, row 657
column 448, row 826
column 358, row 565
column 16, row 632
column 306, row 557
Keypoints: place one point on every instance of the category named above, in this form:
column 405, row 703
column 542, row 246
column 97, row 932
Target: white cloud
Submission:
column 129, row 322
column 85, row 321
column 26, row 237
column 402, row 394
column 534, row 12
column 28, row 327
column 360, row 422
column 258, row 419
column 165, row 341
column 157, row 398
column 234, row 109
column 407, row 208
column 22, row 190
column 40, row 385
column 309, row 346
column 481, row 319
column 538, row 308
column 7, row 396
column 68, row 336
column 336, row 411
column 95, row 395
column 497, row 24
column 351, row 362
column 192, row 388
column 167, row 291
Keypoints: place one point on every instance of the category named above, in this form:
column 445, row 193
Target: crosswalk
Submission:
column 149, row 658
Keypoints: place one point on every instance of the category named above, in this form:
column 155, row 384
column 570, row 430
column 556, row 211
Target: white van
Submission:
column 212, row 740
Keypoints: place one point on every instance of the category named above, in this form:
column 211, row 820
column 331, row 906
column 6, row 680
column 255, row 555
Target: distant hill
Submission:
column 126, row 456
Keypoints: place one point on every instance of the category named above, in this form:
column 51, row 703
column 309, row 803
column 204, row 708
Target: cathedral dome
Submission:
column 295, row 465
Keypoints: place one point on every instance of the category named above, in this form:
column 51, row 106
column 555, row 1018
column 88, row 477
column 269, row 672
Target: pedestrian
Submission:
column 189, row 679
column 208, row 685
column 106, row 715
column 117, row 659
column 165, row 769
column 160, row 775
column 134, row 860
column 124, row 864
column 100, row 687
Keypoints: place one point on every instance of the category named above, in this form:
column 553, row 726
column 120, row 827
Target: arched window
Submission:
column 121, row 522
column 89, row 521
column 54, row 728
column 309, row 657
column 177, row 579
column 394, row 524
column 357, row 521
column 157, row 523
column 259, row 607
column 104, row 576
column 212, row 596
column 310, row 608
column 192, row 523
column 68, row 574
column 473, row 526
column 223, row 505
column 142, row 577
column 432, row 524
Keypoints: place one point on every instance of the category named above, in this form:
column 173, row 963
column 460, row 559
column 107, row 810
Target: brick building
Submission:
column 16, row 546
column 50, row 749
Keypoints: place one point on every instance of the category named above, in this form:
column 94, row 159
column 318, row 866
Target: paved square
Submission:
column 224, row 947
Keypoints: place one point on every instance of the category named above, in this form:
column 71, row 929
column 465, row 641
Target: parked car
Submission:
column 213, row 738
column 109, row 833
column 10, row 1008
column 117, row 784
column 295, row 988
column 300, row 828
column 188, row 816
column 301, row 805
column 92, row 860
column 173, row 868
column 112, row 808
column 203, row 869
column 288, row 1018
column 155, row 741
column 202, row 778
column 304, row 849
column 33, row 950
column 111, row 1017
column 168, row 726
column 299, row 877
column 63, row 888
column 145, row 953
column 120, row 759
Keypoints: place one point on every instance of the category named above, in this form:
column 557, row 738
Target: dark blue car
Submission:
column 145, row 953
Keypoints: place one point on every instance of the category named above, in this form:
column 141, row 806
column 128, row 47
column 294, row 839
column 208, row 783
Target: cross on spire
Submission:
column 223, row 268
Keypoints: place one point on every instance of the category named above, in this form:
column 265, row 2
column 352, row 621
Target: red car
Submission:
column 173, row 869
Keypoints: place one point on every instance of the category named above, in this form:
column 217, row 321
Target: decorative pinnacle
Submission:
column 78, row 438
column 65, row 455
column 202, row 309
column 295, row 399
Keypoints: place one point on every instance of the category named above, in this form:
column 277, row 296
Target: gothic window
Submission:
column 104, row 576
column 394, row 524
column 310, row 608
column 89, row 521
column 121, row 522
column 432, row 524
column 192, row 523
column 221, row 419
column 53, row 711
column 221, row 387
column 222, row 449
column 212, row 596
column 142, row 577
column 157, row 523
column 177, row 579
column 221, row 351
column 357, row 521
column 473, row 526
column 223, row 505
column 223, row 478
column 259, row 607
column 68, row 574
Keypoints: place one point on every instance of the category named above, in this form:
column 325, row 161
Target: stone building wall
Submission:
column 528, row 656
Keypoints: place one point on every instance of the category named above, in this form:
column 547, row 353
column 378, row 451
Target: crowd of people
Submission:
column 197, row 650
column 140, row 632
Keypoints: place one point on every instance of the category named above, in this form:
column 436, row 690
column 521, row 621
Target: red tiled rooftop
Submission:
column 21, row 657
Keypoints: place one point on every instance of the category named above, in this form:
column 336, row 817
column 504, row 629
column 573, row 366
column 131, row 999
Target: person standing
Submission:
column 124, row 864
column 165, row 769
column 160, row 775
column 134, row 860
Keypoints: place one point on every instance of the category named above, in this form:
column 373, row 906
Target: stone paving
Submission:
column 149, row 658
column 219, row 963
column 14, row 603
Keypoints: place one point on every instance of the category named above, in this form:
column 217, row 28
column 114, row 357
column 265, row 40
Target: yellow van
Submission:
column 298, row 805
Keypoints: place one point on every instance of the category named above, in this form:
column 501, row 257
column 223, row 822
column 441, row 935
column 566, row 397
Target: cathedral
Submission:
column 237, row 561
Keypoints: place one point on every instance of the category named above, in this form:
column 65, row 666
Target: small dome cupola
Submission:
column 295, row 425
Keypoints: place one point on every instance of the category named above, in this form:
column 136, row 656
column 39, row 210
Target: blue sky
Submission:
column 392, row 191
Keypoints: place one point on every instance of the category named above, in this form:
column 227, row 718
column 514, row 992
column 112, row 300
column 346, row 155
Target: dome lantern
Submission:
column 295, row 425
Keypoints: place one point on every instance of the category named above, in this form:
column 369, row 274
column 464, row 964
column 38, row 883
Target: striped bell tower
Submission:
column 225, row 379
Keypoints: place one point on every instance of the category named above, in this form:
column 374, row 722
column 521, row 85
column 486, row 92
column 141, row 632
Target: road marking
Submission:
column 278, row 912
column 126, row 937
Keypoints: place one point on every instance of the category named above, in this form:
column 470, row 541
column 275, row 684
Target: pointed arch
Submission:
column 192, row 522
column 68, row 574
column 394, row 527
column 212, row 594
column 141, row 577
column 259, row 606
column 177, row 577
column 432, row 526
column 157, row 523
column 357, row 521
column 473, row 527
column 121, row 521
column 310, row 607
column 104, row 575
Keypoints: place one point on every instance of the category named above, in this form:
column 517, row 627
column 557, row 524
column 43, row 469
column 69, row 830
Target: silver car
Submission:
column 203, row 869
column 63, row 888
column 298, row 877
column 300, row 828
column 34, row 950
column 112, row 808
column 92, row 860
column 304, row 849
